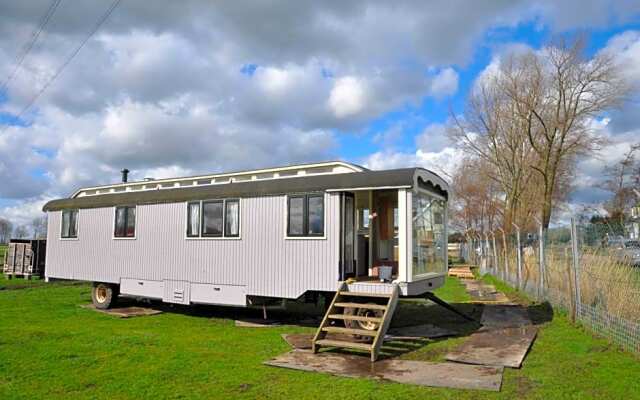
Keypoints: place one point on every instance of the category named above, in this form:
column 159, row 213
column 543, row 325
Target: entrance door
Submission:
column 348, row 236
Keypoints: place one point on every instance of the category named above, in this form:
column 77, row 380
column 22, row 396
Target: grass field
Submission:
column 52, row 348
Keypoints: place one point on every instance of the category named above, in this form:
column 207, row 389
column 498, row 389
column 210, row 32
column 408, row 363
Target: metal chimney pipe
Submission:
column 125, row 175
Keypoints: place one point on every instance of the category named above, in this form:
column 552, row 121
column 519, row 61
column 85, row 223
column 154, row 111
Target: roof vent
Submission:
column 149, row 179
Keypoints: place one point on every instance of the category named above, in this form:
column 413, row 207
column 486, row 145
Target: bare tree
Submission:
column 39, row 227
column 622, row 178
column 476, row 202
column 491, row 132
column 21, row 232
column 557, row 94
column 532, row 118
column 6, row 227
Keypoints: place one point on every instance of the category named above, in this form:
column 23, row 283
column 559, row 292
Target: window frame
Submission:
column 223, row 236
column 126, row 217
column 305, row 216
column 62, row 235
column 187, row 231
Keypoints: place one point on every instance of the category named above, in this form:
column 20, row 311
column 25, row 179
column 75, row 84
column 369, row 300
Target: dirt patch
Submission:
column 298, row 340
column 125, row 312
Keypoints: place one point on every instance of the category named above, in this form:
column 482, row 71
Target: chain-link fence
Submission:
column 582, row 268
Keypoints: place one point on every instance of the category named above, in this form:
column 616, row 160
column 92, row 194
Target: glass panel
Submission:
column 232, row 218
column 73, row 223
column 65, row 223
column 349, row 236
column 212, row 218
column 131, row 221
column 120, row 216
column 429, row 244
column 364, row 218
column 193, row 222
column 296, row 216
column 316, row 215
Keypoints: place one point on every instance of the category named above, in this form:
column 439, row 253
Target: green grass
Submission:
column 453, row 291
column 52, row 348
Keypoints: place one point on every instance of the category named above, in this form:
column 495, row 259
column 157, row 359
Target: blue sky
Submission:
column 191, row 88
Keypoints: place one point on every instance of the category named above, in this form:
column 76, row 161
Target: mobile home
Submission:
column 236, row 238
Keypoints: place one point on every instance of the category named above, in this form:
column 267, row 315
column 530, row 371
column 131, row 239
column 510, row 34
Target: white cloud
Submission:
column 348, row 96
column 445, row 83
column 159, row 88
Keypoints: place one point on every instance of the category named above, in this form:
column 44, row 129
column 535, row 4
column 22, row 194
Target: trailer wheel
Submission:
column 363, row 312
column 104, row 295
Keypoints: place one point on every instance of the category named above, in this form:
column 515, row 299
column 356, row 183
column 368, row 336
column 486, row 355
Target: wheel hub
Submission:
column 101, row 294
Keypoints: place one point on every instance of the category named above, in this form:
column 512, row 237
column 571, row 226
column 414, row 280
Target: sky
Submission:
column 169, row 88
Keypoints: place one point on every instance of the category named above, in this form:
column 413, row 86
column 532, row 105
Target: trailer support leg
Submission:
column 444, row 304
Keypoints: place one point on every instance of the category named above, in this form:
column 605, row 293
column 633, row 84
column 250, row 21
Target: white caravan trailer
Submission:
column 244, row 237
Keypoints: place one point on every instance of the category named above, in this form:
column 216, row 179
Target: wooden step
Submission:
column 355, row 318
column 344, row 344
column 366, row 294
column 362, row 305
column 349, row 331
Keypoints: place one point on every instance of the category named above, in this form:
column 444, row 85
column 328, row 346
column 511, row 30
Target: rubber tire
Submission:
column 111, row 295
column 357, row 324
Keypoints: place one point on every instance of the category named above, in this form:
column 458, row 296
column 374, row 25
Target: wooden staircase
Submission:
column 344, row 309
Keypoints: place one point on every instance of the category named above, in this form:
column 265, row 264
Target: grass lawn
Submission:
column 51, row 348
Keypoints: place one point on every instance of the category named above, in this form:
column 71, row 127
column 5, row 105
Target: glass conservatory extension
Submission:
column 429, row 244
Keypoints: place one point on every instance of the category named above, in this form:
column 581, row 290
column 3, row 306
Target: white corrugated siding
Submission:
column 263, row 260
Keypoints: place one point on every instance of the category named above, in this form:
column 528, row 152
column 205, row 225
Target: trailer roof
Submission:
column 366, row 179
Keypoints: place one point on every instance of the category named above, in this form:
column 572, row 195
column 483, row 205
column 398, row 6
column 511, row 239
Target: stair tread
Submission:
column 354, row 317
column 342, row 343
column 366, row 294
column 361, row 305
column 349, row 331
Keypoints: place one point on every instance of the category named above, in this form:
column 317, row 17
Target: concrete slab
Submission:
column 502, row 347
column 418, row 332
column 504, row 316
column 450, row 375
column 124, row 312
column 256, row 323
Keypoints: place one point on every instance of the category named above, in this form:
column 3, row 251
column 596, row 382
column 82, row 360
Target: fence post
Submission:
column 576, row 267
column 506, row 256
column 488, row 253
column 518, row 258
column 496, row 264
column 541, row 264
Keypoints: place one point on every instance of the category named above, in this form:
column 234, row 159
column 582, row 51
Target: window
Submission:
column 193, row 219
column 213, row 218
column 232, row 218
column 69, row 224
column 125, row 226
column 305, row 215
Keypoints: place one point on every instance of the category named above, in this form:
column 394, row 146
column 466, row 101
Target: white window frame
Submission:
column 135, row 226
column 224, row 220
column 325, row 200
column 77, row 236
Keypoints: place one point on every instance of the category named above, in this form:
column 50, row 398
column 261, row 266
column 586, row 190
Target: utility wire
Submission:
column 75, row 52
column 26, row 49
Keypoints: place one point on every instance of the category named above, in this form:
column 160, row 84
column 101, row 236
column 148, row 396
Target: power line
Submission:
column 70, row 58
column 26, row 49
